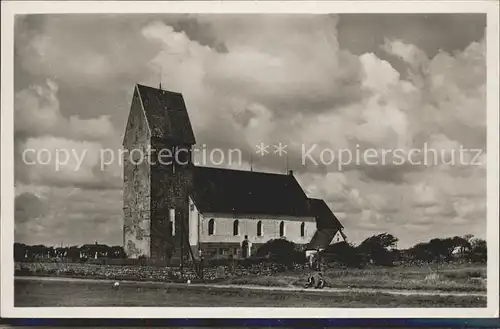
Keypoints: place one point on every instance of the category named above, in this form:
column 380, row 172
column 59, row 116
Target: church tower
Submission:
column 158, row 174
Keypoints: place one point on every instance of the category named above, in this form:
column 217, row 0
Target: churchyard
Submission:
column 368, row 275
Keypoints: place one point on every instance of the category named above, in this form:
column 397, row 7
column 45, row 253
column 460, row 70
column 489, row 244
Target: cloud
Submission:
column 70, row 215
column 97, row 51
column 43, row 132
column 471, row 210
column 266, row 78
column 29, row 206
column 37, row 113
column 451, row 91
column 56, row 161
column 410, row 54
column 425, row 195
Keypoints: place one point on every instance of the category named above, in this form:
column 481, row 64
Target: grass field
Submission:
column 460, row 278
column 451, row 277
column 33, row 293
column 463, row 279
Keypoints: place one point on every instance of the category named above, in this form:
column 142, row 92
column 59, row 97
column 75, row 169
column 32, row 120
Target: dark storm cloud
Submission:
column 361, row 33
column 197, row 31
column 28, row 206
column 391, row 174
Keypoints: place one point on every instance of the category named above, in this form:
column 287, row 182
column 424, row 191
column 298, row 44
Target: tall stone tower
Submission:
column 158, row 174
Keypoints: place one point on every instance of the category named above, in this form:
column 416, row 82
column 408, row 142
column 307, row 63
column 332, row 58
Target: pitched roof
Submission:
column 322, row 238
column 325, row 218
column 222, row 190
column 93, row 245
column 166, row 114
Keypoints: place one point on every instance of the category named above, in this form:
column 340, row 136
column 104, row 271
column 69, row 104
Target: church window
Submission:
column 211, row 227
column 259, row 228
column 172, row 221
column 282, row 228
column 302, row 229
column 236, row 227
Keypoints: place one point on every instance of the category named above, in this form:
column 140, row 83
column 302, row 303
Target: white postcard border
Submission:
column 9, row 9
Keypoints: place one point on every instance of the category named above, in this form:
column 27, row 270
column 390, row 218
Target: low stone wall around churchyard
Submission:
column 142, row 273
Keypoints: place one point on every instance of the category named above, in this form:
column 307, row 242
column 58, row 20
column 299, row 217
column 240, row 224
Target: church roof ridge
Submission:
column 158, row 89
column 245, row 171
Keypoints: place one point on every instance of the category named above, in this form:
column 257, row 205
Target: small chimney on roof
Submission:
column 290, row 172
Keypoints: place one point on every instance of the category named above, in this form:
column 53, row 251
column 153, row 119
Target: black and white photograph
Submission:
column 255, row 159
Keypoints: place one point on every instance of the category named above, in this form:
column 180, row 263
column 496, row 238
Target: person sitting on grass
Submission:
column 320, row 282
column 315, row 281
column 310, row 281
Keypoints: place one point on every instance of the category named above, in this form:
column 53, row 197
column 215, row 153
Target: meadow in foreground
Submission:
column 73, row 294
column 460, row 278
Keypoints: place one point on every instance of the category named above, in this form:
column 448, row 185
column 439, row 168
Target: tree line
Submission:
column 381, row 249
column 23, row 252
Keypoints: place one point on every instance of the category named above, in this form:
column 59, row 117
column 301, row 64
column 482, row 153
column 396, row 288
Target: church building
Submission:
column 173, row 207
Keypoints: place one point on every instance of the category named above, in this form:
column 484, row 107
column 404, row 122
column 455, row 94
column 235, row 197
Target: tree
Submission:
column 19, row 252
column 384, row 241
column 422, row 252
column 468, row 237
column 61, row 252
column 116, row 252
column 462, row 243
column 440, row 249
column 479, row 250
column 73, row 253
column 377, row 248
column 39, row 251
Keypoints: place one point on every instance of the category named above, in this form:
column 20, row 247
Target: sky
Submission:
column 349, row 81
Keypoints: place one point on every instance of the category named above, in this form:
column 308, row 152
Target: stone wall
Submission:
column 144, row 273
column 136, row 178
column 170, row 186
column 151, row 189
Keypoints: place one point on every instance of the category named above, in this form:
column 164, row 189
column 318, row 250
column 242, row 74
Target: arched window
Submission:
column 303, row 229
column 172, row 220
column 236, row 227
column 259, row 228
column 282, row 229
column 211, row 227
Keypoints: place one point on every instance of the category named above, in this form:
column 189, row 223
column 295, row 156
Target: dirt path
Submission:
column 264, row 288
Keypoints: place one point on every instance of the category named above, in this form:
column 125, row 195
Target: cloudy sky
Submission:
column 341, row 82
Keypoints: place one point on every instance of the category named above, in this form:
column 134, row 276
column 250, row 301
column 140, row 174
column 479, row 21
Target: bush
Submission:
column 281, row 251
column 344, row 254
column 220, row 262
